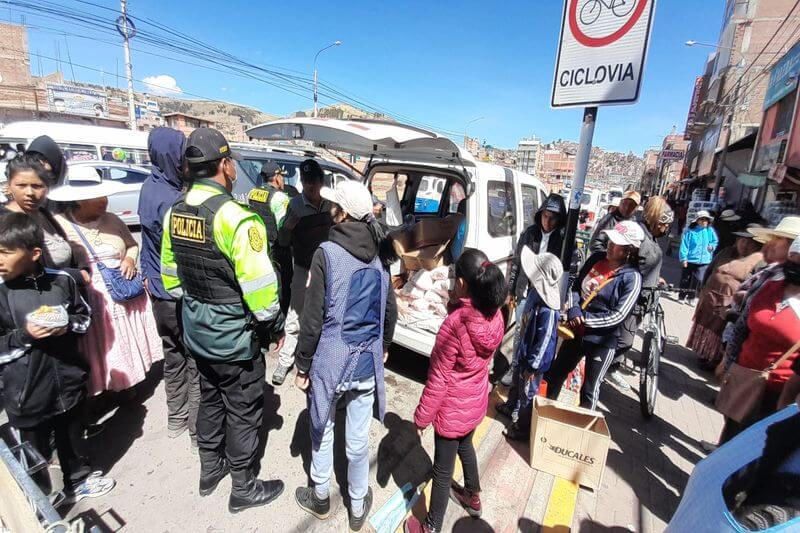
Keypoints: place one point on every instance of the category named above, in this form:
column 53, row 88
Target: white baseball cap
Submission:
column 352, row 196
column 626, row 233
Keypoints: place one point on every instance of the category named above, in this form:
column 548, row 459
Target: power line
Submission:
column 187, row 45
column 755, row 60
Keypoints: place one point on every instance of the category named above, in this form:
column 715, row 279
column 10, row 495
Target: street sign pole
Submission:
column 578, row 183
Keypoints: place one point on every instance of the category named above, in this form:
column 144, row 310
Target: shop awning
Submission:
column 752, row 180
column 745, row 143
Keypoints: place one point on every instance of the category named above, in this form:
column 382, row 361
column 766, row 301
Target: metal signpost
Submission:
column 601, row 57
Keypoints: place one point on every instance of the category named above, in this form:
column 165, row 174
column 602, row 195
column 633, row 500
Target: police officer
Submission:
column 271, row 204
column 214, row 256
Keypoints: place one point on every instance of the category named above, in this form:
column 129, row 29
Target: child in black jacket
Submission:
column 41, row 314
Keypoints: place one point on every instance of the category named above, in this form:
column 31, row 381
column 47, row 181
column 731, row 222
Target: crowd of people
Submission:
column 217, row 286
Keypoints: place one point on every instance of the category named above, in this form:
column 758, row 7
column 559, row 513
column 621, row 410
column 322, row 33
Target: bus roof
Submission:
column 75, row 133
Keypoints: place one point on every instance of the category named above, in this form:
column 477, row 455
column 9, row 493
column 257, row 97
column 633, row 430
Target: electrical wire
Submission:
column 184, row 44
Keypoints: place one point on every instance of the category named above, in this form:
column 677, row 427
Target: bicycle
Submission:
column 620, row 9
column 653, row 345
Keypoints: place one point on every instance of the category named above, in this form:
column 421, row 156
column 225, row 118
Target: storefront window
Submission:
column 783, row 119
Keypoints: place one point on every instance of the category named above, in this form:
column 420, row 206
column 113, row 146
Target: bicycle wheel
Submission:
column 648, row 375
column 590, row 12
column 622, row 8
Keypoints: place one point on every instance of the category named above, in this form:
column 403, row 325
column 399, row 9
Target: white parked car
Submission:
column 430, row 177
column 124, row 204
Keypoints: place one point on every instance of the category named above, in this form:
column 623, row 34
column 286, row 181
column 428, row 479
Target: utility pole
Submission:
column 124, row 25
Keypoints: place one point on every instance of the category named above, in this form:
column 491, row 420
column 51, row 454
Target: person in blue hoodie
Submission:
column 159, row 192
column 697, row 250
column 538, row 338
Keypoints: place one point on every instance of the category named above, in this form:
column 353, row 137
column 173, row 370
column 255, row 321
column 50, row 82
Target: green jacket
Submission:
column 227, row 332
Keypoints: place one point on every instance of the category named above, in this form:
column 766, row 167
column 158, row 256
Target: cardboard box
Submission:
column 569, row 442
column 427, row 257
column 434, row 231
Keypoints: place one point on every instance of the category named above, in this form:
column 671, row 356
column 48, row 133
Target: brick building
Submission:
column 185, row 123
column 557, row 167
column 754, row 33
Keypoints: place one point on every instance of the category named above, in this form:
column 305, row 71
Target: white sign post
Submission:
column 600, row 61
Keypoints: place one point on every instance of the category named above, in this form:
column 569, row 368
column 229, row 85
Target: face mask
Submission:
column 792, row 272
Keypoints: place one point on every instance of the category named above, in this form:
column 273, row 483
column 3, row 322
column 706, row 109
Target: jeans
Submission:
column 517, row 317
column 444, row 462
column 67, row 428
column 692, row 277
column 181, row 382
column 231, row 413
column 358, row 397
column 522, row 392
column 598, row 359
column 292, row 327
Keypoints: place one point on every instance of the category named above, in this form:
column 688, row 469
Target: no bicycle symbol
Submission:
column 621, row 15
column 601, row 52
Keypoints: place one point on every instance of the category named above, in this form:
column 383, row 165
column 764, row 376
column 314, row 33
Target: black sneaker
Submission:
column 357, row 523
column 308, row 501
column 514, row 432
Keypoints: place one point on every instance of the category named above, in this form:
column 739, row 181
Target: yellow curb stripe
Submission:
column 560, row 507
column 477, row 437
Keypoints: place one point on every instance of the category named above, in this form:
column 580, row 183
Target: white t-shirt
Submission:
column 544, row 242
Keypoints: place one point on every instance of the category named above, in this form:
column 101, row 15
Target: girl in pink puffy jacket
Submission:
column 457, row 392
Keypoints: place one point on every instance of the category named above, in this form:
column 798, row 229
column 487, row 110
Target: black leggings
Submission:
column 692, row 279
column 598, row 359
column 444, row 462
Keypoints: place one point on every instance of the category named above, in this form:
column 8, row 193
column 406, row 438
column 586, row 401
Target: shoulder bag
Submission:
column 119, row 288
column 743, row 389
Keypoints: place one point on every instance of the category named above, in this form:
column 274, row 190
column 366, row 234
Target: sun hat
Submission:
column 352, row 196
column 633, row 195
column 626, row 233
column 84, row 183
column 544, row 273
column 788, row 228
column 703, row 214
column 729, row 215
column 746, row 233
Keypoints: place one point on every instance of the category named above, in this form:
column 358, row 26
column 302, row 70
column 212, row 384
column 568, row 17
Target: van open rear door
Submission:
column 373, row 139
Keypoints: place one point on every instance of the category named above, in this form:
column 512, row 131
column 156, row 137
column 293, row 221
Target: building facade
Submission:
column 529, row 156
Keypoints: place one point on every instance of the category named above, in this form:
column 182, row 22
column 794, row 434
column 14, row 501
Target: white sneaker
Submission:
column 93, row 486
column 615, row 378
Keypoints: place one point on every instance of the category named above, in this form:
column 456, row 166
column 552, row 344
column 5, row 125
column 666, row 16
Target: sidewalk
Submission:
column 648, row 463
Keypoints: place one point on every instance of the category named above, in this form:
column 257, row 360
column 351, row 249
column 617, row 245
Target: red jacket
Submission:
column 771, row 334
column 457, row 392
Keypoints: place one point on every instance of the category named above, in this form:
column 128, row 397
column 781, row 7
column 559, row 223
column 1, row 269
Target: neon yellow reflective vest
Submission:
column 225, row 331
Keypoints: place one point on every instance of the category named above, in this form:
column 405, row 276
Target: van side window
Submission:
column 120, row 154
column 502, row 209
column 127, row 176
column 429, row 194
column 79, row 152
column 530, row 204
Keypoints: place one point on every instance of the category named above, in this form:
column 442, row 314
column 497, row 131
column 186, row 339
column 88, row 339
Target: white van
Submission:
column 425, row 176
column 80, row 142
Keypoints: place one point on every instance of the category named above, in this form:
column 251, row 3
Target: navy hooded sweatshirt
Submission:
column 159, row 192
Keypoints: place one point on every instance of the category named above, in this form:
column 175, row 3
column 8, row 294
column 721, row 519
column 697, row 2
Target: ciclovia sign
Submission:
column 602, row 52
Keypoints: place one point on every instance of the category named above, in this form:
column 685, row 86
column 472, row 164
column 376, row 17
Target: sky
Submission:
column 440, row 63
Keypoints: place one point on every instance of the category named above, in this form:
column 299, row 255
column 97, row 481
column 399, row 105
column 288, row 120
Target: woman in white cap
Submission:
column 602, row 296
column 696, row 252
column 123, row 342
column 347, row 325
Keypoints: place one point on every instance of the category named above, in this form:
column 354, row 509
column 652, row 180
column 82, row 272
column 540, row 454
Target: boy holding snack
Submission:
column 41, row 315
